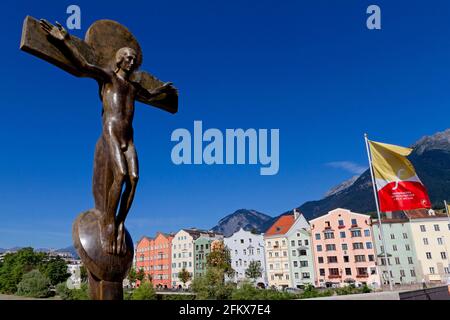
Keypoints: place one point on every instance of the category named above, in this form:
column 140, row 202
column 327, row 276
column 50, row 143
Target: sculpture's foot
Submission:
column 106, row 269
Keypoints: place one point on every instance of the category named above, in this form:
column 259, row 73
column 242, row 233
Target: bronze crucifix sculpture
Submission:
column 110, row 55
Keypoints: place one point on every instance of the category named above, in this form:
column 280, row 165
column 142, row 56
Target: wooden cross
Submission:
column 102, row 40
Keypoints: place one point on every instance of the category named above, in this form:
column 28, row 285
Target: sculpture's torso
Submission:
column 118, row 110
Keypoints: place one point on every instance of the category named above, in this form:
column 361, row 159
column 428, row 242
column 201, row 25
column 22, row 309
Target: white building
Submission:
column 245, row 247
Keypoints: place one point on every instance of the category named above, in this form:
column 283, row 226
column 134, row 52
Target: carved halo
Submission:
column 106, row 37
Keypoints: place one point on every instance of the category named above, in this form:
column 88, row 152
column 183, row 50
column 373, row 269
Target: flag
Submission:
column 398, row 186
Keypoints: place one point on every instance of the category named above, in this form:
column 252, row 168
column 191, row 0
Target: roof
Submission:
column 375, row 221
column 423, row 214
column 196, row 233
column 281, row 226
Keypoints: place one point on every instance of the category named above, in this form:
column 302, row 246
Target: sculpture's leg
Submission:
column 131, row 183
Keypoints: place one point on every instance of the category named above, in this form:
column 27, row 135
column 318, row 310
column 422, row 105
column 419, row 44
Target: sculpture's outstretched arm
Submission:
column 156, row 94
column 62, row 36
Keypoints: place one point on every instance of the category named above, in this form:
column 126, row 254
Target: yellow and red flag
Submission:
column 398, row 186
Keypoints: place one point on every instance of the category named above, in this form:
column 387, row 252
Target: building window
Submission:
column 428, row 255
column 361, row 271
column 342, row 234
column 242, row 240
column 320, row 259
column 413, row 273
column 344, row 246
column 422, row 228
column 333, row 271
column 369, row 245
column 341, row 223
column 346, row 259
column 295, row 264
column 407, row 247
column 410, row 260
column 356, row 233
column 306, row 242
column 402, row 273
column 446, row 270
column 319, row 247
column 294, row 252
column 392, row 236
column 322, row 272
column 317, row 236
column 296, row 275
column 358, row 245
column 329, row 235
column 303, row 253
column 405, row 235
column 305, row 275
column 371, row 257
column 354, row 222
column 293, row 243
column 397, row 260
column 284, row 253
column 300, row 242
column 432, row 270
column 443, row 255
column 436, row 227
column 331, row 247
column 360, row 258
column 303, row 263
column 348, row 271
column 425, row 241
column 439, row 240
column 394, row 247
column 332, row 259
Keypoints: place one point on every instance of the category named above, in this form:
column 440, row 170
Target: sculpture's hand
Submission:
column 165, row 88
column 121, row 247
column 57, row 32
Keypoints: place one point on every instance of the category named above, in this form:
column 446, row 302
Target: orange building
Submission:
column 153, row 255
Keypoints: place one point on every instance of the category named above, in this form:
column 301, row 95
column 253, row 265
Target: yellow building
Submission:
column 277, row 256
column 431, row 238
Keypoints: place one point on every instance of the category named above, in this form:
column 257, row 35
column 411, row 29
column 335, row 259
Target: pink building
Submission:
column 344, row 250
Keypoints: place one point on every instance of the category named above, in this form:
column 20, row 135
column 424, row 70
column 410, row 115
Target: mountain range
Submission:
column 430, row 157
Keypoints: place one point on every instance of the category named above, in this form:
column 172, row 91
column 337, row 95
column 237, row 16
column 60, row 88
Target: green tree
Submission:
column 55, row 269
column 144, row 292
column 83, row 274
column 34, row 284
column 140, row 275
column 15, row 265
column 184, row 276
column 211, row 285
column 132, row 276
column 254, row 270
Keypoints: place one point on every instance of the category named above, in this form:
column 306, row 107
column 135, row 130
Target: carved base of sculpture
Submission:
column 106, row 271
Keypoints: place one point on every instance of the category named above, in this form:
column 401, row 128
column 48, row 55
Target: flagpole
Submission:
column 369, row 156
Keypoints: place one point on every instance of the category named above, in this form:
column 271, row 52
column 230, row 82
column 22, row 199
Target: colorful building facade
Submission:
column 343, row 249
column 153, row 255
column 246, row 247
column 301, row 260
column 277, row 257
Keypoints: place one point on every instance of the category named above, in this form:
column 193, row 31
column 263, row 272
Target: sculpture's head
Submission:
column 126, row 59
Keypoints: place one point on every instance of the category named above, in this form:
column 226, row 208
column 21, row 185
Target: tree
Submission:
column 184, row 276
column 34, row 284
column 140, row 275
column 212, row 286
column 254, row 270
column 144, row 292
column 15, row 265
column 132, row 276
column 83, row 274
column 55, row 269
column 220, row 258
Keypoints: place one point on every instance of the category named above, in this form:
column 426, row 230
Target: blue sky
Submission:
column 309, row 68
